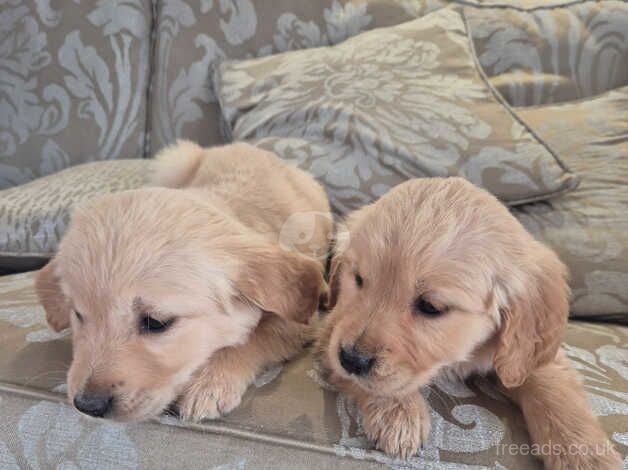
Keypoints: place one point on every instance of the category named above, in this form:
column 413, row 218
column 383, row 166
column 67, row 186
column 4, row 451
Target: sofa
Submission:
column 91, row 91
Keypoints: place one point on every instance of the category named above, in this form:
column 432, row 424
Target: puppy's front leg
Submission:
column 217, row 388
column 560, row 420
column 397, row 425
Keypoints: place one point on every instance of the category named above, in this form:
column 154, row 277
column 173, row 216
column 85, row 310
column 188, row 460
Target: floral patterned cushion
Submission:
column 73, row 80
column 588, row 227
column 288, row 419
column 34, row 216
column 552, row 54
column 388, row 105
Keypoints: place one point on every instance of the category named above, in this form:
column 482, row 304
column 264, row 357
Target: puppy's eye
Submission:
column 78, row 316
column 149, row 324
column 358, row 280
column 423, row 307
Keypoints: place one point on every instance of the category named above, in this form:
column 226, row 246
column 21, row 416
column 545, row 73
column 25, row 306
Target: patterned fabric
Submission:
column 388, row 105
column 74, row 77
column 37, row 434
column 522, row 50
column 288, row 406
column 553, row 54
column 73, row 84
column 193, row 36
column 589, row 226
column 34, row 216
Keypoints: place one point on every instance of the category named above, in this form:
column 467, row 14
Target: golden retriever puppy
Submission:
column 438, row 278
column 187, row 291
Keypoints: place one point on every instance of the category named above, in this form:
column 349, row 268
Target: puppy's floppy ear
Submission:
column 52, row 297
column 283, row 282
column 534, row 321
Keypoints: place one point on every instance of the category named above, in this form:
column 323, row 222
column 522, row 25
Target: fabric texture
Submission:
column 385, row 106
column 36, row 433
column 34, row 216
column 288, row 406
column 551, row 55
column 74, row 77
column 521, row 44
column 73, row 80
column 192, row 37
column 588, row 227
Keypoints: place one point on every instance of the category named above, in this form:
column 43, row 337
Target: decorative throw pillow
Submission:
column 388, row 105
column 34, row 216
column 588, row 227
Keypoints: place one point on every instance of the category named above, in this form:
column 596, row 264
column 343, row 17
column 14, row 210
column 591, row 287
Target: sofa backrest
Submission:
column 73, row 81
column 106, row 80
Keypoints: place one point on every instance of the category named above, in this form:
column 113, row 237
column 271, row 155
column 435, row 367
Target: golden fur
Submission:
column 201, row 249
column 505, row 303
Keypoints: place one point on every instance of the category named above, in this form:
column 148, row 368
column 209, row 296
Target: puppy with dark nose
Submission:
column 185, row 291
column 437, row 278
column 355, row 363
column 94, row 405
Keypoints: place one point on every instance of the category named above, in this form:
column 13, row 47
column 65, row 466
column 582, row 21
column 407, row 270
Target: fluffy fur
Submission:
column 504, row 299
column 202, row 250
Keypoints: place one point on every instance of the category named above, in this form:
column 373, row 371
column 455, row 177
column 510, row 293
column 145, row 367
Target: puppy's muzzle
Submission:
column 354, row 362
column 93, row 405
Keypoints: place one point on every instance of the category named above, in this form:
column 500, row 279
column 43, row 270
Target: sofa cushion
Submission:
column 552, row 54
column 385, row 106
column 589, row 226
column 73, row 81
column 472, row 424
column 40, row 432
column 34, row 216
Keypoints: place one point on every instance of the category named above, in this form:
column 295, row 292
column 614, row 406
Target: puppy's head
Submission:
column 438, row 273
column 152, row 282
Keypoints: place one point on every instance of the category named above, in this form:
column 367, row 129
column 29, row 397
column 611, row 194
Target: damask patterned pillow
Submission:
column 555, row 54
column 34, row 216
column 588, row 227
column 388, row 105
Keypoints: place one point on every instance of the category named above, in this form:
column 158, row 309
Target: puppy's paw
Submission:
column 212, row 394
column 397, row 426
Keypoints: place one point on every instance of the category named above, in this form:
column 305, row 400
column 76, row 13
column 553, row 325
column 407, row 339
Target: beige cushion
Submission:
column 34, row 216
column 385, row 106
column 589, row 226
column 552, row 54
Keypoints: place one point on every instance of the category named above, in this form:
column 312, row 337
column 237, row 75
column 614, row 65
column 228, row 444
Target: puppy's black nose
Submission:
column 93, row 405
column 354, row 362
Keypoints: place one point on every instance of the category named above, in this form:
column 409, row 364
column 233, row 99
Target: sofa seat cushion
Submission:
column 34, row 216
column 473, row 425
column 589, row 226
column 38, row 432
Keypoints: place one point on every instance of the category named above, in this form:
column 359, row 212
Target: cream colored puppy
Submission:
column 186, row 291
column 438, row 278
